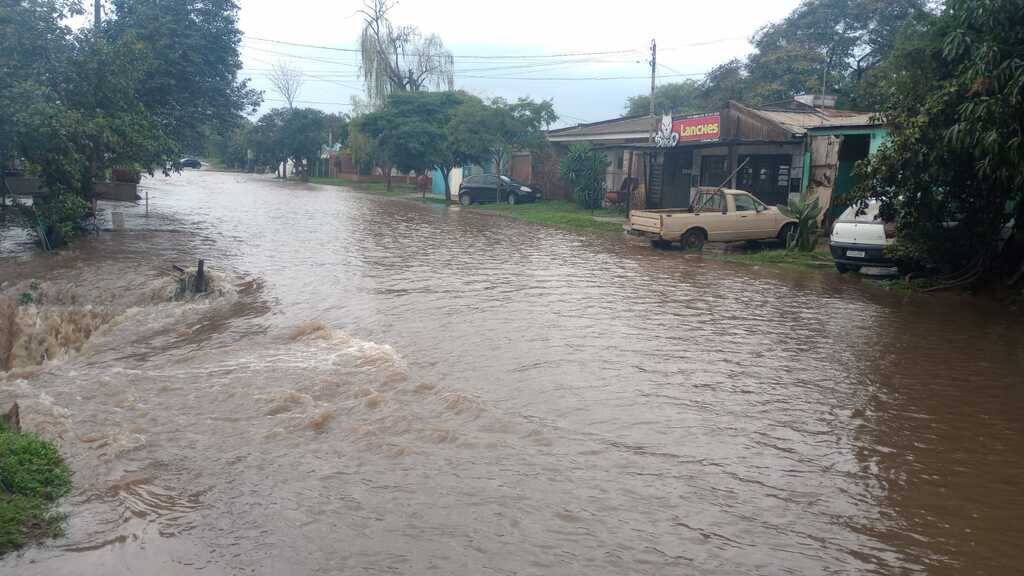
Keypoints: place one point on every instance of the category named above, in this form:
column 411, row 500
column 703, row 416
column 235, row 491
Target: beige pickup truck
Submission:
column 715, row 215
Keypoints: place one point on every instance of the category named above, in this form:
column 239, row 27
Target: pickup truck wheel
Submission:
column 465, row 199
column 513, row 199
column 693, row 241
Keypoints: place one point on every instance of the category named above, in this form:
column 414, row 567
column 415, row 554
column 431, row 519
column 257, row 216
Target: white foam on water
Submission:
column 51, row 321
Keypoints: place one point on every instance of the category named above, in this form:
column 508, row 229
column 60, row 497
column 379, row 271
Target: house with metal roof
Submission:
column 773, row 151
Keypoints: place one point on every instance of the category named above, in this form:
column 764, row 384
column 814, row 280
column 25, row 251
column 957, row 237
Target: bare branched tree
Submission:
column 400, row 58
column 287, row 80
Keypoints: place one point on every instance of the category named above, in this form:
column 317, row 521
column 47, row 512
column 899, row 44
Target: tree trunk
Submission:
column 498, row 156
column 4, row 190
column 447, row 186
column 387, row 177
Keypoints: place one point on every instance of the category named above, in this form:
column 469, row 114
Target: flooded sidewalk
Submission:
column 380, row 386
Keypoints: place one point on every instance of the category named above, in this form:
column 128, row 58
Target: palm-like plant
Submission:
column 585, row 168
column 805, row 211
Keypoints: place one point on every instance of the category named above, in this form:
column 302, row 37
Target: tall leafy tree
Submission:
column 413, row 130
column 492, row 130
column 295, row 134
column 132, row 94
column 302, row 135
column 957, row 149
column 826, row 44
column 674, row 98
column 37, row 49
column 405, row 131
column 188, row 63
column 725, row 82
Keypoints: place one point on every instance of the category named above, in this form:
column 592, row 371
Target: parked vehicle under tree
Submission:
column 483, row 188
column 859, row 237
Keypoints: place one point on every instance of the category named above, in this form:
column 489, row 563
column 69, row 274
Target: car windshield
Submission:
column 868, row 215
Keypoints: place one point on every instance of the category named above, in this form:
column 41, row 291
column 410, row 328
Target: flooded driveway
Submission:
column 378, row 386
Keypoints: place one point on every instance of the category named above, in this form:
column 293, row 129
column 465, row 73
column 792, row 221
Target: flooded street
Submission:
column 379, row 386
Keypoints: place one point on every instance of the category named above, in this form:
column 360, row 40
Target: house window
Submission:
column 619, row 162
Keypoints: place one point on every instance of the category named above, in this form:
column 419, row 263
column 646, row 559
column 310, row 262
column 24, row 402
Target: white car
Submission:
column 860, row 237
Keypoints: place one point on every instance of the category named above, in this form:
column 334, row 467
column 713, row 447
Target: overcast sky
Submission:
column 693, row 36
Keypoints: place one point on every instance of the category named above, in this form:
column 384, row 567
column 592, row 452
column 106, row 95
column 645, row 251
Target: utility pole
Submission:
column 97, row 17
column 654, row 72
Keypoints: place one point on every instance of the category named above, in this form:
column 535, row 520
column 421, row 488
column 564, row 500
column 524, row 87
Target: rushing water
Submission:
column 379, row 386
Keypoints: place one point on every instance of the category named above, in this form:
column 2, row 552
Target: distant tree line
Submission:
column 277, row 137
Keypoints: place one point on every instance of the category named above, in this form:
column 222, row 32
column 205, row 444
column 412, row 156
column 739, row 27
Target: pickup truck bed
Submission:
column 650, row 221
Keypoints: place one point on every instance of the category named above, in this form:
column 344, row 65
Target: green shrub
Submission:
column 805, row 211
column 60, row 212
column 32, row 467
column 23, row 519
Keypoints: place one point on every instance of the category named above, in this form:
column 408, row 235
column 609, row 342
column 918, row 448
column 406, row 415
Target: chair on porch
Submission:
column 618, row 197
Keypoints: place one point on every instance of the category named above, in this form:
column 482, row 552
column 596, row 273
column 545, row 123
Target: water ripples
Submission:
column 386, row 386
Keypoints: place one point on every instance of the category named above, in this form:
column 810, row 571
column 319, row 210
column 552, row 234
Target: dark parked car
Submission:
column 191, row 163
column 482, row 188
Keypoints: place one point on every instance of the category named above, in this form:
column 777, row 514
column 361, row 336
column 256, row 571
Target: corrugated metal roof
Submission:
column 624, row 126
column 798, row 121
column 794, row 117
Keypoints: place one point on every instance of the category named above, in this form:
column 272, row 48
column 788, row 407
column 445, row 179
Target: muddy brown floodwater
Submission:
column 378, row 386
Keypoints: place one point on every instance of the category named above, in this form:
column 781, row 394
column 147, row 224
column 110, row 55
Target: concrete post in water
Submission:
column 11, row 420
column 200, row 285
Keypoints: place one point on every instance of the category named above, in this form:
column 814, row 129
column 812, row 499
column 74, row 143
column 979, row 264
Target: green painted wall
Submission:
column 807, row 172
column 844, row 176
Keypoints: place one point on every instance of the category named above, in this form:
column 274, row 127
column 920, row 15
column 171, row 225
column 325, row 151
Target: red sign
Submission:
column 698, row 128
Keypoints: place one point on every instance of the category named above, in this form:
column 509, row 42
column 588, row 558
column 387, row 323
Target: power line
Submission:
column 581, row 78
column 482, row 57
column 705, row 43
column 302, row 57
column 310, row 102
column 517, row 56
column 319, row 78
column 669, row 68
